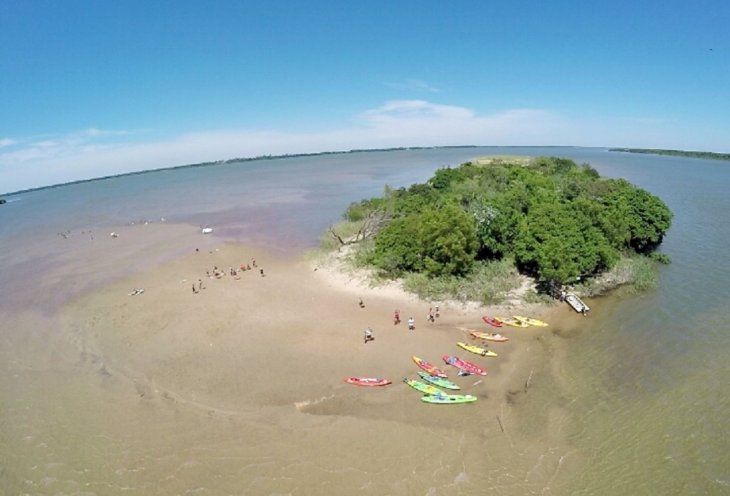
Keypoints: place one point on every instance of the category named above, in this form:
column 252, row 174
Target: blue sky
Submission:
column 93, row 88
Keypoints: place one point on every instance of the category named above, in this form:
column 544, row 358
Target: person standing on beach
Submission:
column 368, row 335
column 262, row 272
column 430, row 315
column 396, row 317
column 200, row 285
column 194, row 291
column 411, row 324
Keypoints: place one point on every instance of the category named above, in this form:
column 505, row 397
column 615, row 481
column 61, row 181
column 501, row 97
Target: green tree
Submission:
column 449, row 241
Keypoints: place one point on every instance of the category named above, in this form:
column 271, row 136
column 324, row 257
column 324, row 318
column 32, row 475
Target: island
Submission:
column 676, row 153
column 480, row 231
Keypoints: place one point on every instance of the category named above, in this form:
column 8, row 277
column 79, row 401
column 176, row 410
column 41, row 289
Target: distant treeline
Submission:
column 676, row 153
column 240, row 159
column 554, row 219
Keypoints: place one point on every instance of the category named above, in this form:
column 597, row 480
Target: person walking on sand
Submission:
column 437, row 312
column 411, row 324
column 430, row 315
column 361, row 303
column 200, row 285
column 368, row 335
column 194, row 291
column 262, row 272
column 396, row 317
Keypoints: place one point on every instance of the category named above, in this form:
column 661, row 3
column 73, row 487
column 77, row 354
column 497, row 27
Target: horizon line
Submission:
column 213, row 163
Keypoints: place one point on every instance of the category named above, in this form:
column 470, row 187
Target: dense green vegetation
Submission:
column 548, row 217
column 677, row 153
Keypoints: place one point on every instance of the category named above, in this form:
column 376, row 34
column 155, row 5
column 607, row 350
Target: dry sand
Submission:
column 239, row 389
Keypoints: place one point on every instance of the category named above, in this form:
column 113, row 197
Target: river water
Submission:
column 645, row 377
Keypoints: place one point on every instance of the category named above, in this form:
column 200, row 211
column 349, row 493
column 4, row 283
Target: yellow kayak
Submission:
column 512, row 322
column 478, row 350
column 532, row 322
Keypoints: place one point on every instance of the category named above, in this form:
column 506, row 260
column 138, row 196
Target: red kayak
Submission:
column 367, row 381
column 464, row 365
column 492, row 321
column 428, row 367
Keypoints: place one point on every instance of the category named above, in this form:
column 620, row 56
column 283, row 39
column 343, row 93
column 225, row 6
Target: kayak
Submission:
column 439, row 381
column 489, row 336
column 428, row 367
column 464, row 365
column 477, row 350
column 512, row 322
column 532, row 322
column 367, row 381
column 491, row 321
column 422, row 386
column 449, row 399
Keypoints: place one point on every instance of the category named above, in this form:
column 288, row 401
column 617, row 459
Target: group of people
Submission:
column 232, row 271
column 411, row 320
column 368, row 333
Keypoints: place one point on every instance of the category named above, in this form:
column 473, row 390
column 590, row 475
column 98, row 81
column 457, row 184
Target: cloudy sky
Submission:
column 91, row 89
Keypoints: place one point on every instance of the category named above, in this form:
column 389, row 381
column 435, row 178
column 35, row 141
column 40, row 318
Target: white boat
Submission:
column 576, row 303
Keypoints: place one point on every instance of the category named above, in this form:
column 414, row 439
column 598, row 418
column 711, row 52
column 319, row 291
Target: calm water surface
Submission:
column 646, row 377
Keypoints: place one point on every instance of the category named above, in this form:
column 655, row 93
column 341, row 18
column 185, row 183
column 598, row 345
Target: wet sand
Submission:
column 239, row 389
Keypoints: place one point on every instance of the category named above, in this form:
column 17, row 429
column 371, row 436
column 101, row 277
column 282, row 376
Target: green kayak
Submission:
column 439, row 381
column 449, row 399
column 422, row 386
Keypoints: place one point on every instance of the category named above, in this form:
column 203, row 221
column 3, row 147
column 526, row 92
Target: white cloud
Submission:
column 413, row 85
column 6, row 142
column 92, row 131
column 94, row 152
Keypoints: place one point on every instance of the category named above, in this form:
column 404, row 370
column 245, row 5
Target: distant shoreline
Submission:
column 675, row 153
column 266, row 157
column 234, row 160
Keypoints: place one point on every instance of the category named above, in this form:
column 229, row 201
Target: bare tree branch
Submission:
column 370, row 226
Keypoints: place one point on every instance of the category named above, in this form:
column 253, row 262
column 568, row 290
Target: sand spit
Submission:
column 239, row 388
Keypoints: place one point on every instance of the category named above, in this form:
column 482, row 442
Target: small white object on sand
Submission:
column 113, row 235
column 207, row 230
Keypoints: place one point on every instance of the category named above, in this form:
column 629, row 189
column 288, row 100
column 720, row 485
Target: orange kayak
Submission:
column 367, row 381
column 429, row 368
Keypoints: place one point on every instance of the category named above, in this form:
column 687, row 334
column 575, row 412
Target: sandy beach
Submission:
column 239, row 388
